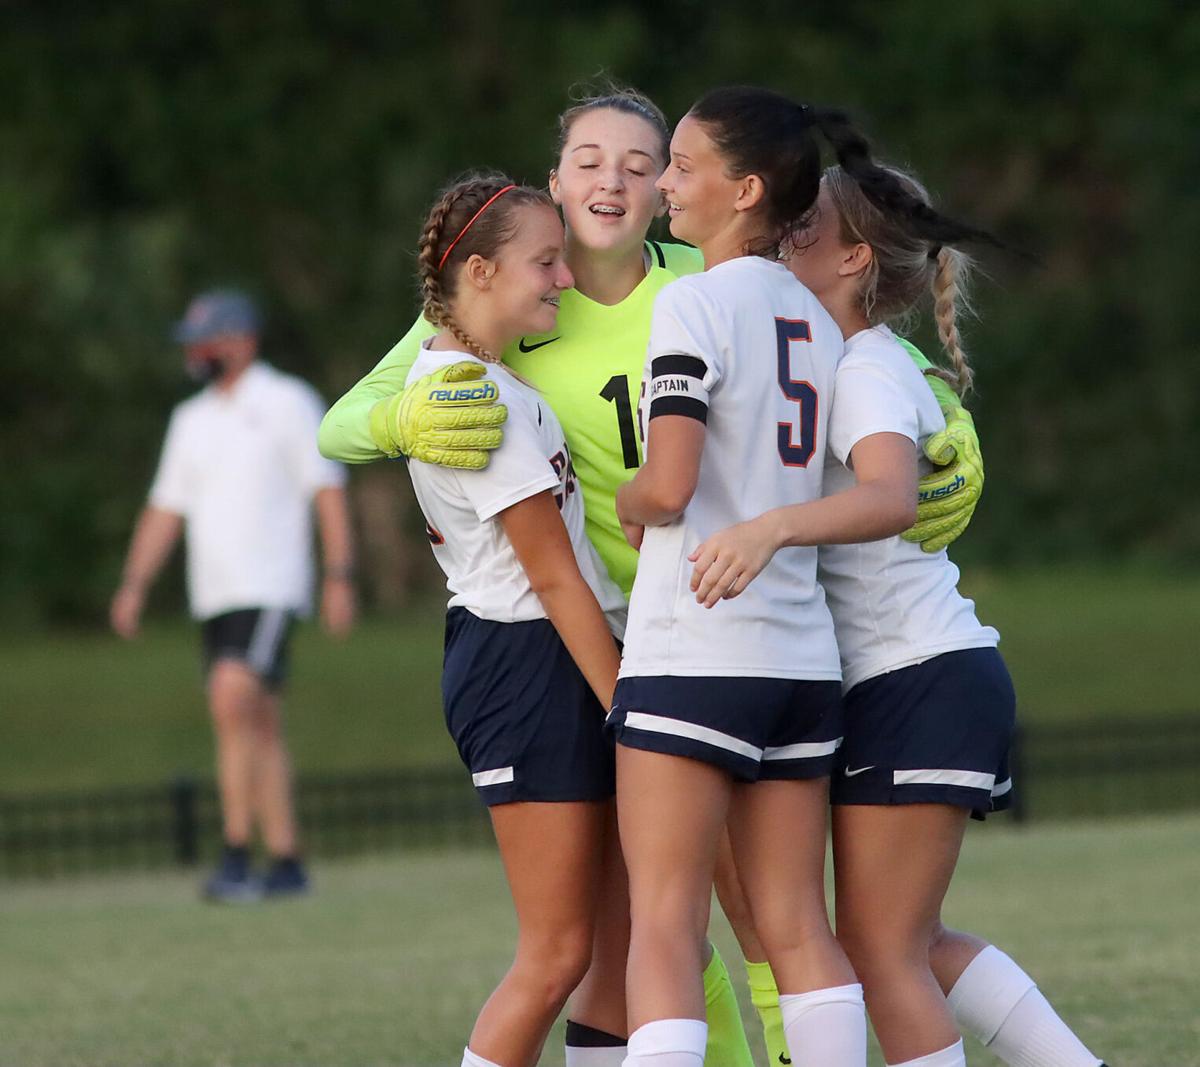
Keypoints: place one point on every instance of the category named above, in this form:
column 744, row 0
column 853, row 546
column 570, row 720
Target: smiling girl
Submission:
column 530, row 659
column 587, row 368
column 734, row 718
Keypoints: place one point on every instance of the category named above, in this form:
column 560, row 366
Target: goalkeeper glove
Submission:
column 947, row 497
column 449, row 418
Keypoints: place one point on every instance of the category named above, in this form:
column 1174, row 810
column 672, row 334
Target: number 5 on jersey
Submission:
column 797, row 439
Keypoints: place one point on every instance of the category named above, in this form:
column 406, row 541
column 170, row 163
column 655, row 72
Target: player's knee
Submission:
column 553, row 966
column 679, row 903
column 879, row 950
column 784, row 934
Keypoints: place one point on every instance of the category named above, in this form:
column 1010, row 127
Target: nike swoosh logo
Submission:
column 858, row 770
column 783, row 1059
column 530, row 348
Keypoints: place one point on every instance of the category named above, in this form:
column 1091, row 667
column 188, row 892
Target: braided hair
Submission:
column 444, row 246
column 905, row 267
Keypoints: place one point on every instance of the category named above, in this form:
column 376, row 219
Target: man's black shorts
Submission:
column 257, row 637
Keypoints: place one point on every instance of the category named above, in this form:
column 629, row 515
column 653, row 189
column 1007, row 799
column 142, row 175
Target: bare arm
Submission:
column 154, row 537
column 880, row 504
column 337, row 552
column 664, row 485
column 539, row 538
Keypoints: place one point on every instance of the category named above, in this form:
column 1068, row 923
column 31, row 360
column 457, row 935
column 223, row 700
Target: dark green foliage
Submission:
column 148, row 150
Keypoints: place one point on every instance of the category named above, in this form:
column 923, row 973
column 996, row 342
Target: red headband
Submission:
column 463, row 231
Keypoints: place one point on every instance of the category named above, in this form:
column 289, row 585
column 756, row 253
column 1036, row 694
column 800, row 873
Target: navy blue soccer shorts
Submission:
column 526, row 723
column 754, row 728
column 934, row 733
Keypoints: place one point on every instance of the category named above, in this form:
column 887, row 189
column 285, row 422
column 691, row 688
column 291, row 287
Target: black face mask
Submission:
column 204, row 371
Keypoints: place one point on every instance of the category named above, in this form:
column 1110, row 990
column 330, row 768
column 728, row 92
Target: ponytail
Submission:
column 949, row 301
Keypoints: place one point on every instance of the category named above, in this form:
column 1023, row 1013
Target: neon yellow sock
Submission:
column 765, row 997
column 727, row 1045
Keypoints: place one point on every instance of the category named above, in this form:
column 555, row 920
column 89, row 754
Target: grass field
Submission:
column 85, row 710
column 388, row 961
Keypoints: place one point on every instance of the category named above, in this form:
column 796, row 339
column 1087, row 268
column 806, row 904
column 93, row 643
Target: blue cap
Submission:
column 217, row 312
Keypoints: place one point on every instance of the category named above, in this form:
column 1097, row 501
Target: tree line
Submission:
column 150, row 150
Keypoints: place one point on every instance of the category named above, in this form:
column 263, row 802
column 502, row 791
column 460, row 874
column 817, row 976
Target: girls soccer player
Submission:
column 530, row 661
column 588, row 369
column 928, row 704
column 736, row 719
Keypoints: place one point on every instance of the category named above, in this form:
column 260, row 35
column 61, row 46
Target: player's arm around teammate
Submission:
column 929, row 708
column 736, row 719
column 929, row 718
column 530, row 659
column 607, row 156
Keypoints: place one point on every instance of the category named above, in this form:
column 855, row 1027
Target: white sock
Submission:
column 603, row 1056
column 954, row 1056
column 998, row 1003
column 470, row 1059
column 827, row 1027
column 668, row 1043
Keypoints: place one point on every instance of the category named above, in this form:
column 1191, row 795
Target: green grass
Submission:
column 85, row 710
column 389, row 961
column 1094, row 644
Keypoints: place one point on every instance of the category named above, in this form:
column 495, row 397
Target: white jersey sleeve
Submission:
column 482, row 571
column 684, row 361
column 516, row 471
column 879, row 396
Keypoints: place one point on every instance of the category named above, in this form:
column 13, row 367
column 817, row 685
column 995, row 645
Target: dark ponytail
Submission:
column 759, row 131
column 883, row 187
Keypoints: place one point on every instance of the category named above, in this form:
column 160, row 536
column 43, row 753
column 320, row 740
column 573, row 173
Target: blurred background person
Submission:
column 240, row 472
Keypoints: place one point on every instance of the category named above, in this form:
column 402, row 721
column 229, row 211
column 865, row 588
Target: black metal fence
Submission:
column 1112, row 768
column 1126, row 767
column 179, row 822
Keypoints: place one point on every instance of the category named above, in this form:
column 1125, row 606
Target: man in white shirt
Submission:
column 240, row 472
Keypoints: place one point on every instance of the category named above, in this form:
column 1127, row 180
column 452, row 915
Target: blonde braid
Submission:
column 949, row 302
column 432, row 295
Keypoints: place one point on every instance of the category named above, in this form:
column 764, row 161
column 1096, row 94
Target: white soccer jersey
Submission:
column 747, row 349
column 893, row 604
column 241, row 466
column 460, row 507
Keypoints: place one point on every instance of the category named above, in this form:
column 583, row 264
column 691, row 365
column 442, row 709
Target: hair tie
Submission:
column 462, row 233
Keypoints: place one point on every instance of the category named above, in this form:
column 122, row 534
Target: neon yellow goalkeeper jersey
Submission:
column 589, row 369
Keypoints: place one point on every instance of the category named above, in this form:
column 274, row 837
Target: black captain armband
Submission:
column 677, row 387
